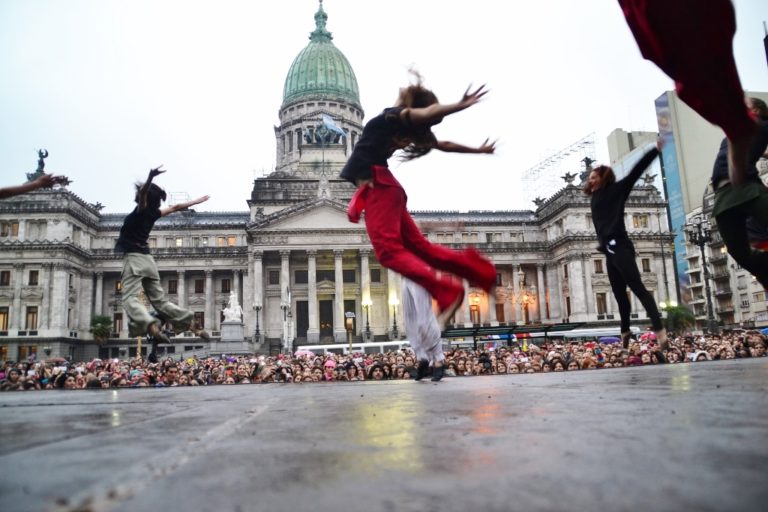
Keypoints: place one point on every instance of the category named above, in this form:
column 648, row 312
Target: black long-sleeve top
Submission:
column 720, row 169
column 608, row 202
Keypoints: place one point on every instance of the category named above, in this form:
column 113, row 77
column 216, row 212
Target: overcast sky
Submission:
column 112, row 88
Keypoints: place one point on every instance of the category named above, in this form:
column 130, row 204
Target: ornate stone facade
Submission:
column 295, row 262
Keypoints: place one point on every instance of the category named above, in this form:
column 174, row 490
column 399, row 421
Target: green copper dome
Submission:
column 321, row 71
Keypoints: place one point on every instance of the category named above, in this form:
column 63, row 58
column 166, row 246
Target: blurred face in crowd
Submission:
column 513, row 368
column 317, row 374
column 377, row 373
column 559, row 366
column 573, row 366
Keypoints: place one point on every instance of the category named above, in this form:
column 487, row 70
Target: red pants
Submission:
column 691, row 41
column 400, row 246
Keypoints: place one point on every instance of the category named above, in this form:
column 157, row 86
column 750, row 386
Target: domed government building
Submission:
column 302, row 272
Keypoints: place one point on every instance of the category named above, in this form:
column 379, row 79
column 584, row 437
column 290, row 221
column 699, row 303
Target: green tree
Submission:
column 679, row 318
column 101, row 327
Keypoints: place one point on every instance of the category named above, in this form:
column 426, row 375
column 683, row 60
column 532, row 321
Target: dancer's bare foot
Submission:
column 661, row 339
column 738, row 157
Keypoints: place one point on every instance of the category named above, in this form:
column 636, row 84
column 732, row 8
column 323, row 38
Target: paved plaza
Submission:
column 675, row 437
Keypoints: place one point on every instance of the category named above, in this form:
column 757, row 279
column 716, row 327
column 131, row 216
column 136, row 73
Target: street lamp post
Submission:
column 394, row 302
column 699, row 234
column 257, row 334
column 526, row 296
column 367, row 306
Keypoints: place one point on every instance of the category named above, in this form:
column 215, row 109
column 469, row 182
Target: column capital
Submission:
column 99, row 274
column 311, row 253
column 540, row 265
column 208, row 273
column 258, row 254
column 180, row 272
column 18, row 266
column 365, row 251
column 285, row 253
column 338, row 253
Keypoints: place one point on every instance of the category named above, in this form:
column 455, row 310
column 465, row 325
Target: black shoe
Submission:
column 438, row 372
column 626, row 337
column 422, row 369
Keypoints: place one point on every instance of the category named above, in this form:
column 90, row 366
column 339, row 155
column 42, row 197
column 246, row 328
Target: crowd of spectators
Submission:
column 551, row 356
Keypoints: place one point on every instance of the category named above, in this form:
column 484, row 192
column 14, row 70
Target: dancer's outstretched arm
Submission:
column 145, row 187
column 44, row 181
column 183, row 206
column 435, row 113
column 453, row 147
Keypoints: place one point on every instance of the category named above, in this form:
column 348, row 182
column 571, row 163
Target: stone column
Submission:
column 22, row 230
column 210, row 321
column 45, row 307
column 98, row 306
column 542, row 299
column 236, row 285
column 17, row 313
column 313, row 330
column 492, row 308
column 589, row 295
column 60, row 298
column 519, row 316
column 393, row 312
column 338, row 322
column 258, row 292
column 365, row 288
column 507, row 302
column 555, row 283
column 181, row 288
column 465, row 311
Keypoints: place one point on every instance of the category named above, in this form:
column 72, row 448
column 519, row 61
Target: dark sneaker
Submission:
column 157, row 335
column 438, row 372
column 422, row 369
column 626, row 337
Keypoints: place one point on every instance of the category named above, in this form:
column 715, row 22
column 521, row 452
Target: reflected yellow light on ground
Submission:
column 116, row 418
column 681, row 383
column 390, row 428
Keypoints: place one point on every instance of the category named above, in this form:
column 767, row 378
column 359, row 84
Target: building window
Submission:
column 759, row 296
column 226, row 286
column 31, row 323
column 34, row 276
column 195, row 241
column 26, row 351
column 117, row 322
column 152, row 242
column 9, row 229
column 640, row 220
column 744, row 300
column 500, row 312
column 326, row 275
column 646, row 263
column 118, row 286
column 301, row 277
column 199, row 286
column 474, row 314
column 4, row 318
column 71, row 280
column 565, row 271
column 348, row 275
column 200, row 319
column 567, row 306
column 598, row 266
column 274, row 277
column 375, row 275
column 602, row 305
column 231, row 241
column 498, row 279
column 221, row 241
column 5, row 278
column 179, row 242
column 204, row 241
column 173, row 286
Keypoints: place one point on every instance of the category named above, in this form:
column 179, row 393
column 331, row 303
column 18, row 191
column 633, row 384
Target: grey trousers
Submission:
column 140, row 271
column 420, row 323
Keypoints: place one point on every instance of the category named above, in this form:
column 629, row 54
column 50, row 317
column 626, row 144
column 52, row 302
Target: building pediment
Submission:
column 317, row 215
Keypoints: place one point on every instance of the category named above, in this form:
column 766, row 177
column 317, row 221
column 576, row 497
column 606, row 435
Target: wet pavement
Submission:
column 676, row 437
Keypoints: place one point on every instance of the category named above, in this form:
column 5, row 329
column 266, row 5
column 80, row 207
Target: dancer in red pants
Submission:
column 691, row 41
column 397, row 241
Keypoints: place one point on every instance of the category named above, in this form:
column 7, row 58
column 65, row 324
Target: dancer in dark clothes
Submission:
column 608, row 198
column 140, row 270
column 735, row 205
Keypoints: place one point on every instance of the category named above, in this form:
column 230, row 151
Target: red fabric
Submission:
column 691, row 41
column 400, row 246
